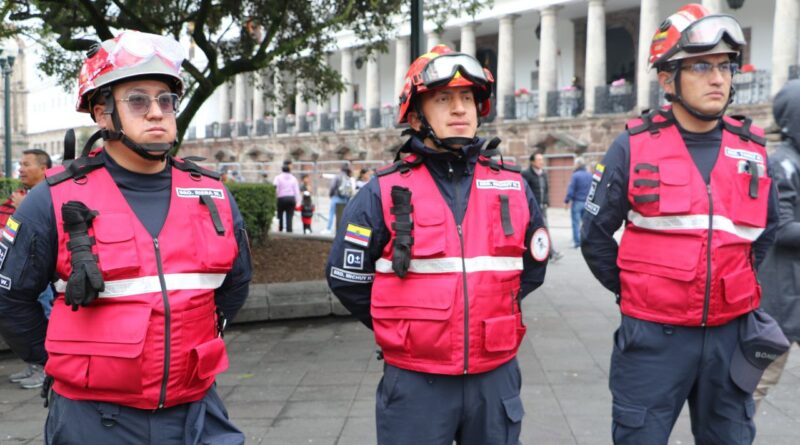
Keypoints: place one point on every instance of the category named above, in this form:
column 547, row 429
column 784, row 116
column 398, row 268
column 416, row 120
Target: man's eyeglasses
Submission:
column 139, row 103
column 705, row 68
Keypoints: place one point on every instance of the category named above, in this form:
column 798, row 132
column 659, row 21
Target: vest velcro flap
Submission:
column 98, row 330
column 674, row 192
column 429, row 229
column 667, row 255
column 415, row 298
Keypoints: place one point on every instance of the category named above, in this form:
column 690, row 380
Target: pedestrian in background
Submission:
column 779, row 273
column 287, row 191
column 453, row 241
column 692, row 186
column 306, row 209
column 32, row 168
column 536, row 177
column 342, row 189
column 364, row 176
column 578, row 190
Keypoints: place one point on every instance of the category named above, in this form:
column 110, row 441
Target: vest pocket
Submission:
column 746, row 209
column 99, row 346
column 206, row 361
column 412, row 316
column 116, row 245
column 500, row 333
column 740, row 288
column 429, row 230
column 215, row 252
column 675, row 193
column 508, row 235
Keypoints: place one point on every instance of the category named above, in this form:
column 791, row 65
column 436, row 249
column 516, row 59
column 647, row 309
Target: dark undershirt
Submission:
column 704, row 148
column 148, row 195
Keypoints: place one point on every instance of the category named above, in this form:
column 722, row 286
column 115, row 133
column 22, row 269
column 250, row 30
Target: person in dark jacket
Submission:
column 692, row 187
column 536, row 177
column 435, row 256
column 578, row 190
column 779, row 273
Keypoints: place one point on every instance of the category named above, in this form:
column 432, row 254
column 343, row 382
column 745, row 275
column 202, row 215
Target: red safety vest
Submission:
column 457, row 310
column 685, row 256
column 150, row 340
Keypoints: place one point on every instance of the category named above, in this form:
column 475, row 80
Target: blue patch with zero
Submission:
column 353, row 259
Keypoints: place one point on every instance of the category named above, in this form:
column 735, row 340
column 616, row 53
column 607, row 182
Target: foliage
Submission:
column 257, row 203
column 259, row 38
column 7, row 186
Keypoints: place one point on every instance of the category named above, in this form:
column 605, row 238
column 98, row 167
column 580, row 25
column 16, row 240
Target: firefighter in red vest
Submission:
column 693, row 189
column 149, row 256
column 435, row 255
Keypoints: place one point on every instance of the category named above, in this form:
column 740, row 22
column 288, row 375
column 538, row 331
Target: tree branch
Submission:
column 98, row 20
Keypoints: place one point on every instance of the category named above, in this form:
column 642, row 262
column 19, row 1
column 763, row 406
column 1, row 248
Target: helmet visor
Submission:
column 134, row 48
column 707, row 32
column 441, row 70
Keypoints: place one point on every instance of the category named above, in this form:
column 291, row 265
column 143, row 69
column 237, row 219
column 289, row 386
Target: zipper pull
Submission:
column 449, row 170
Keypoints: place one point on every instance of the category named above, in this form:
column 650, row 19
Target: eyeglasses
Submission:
column 705, row 68
column 442, row 69
column 139, row 103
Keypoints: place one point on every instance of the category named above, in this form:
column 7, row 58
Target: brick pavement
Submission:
column 313, row 381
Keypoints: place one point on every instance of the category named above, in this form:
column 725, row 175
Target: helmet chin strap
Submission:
column 677, row 97
column 118, row 134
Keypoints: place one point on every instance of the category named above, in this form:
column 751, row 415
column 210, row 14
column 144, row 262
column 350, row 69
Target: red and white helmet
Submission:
column 441, row 68
column 130, row 54
column 694, row 31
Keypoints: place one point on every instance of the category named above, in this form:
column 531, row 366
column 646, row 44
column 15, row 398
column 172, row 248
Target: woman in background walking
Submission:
column 288, row 192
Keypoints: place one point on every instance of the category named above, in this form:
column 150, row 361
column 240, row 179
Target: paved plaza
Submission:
column 312, row 381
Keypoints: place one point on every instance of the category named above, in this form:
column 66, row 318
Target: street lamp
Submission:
column 6, row 66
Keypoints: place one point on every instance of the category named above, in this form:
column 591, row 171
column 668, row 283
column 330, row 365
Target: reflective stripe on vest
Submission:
column 142, row 285
column 454, row 265
column 694, row 222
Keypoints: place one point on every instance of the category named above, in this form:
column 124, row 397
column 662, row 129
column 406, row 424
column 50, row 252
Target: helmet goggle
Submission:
column 442, row 69
column 706, row 33
column 134, row 48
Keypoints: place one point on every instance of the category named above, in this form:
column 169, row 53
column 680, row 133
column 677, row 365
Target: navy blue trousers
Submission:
column 655, row 368
column 432, row 409
column 74, row 422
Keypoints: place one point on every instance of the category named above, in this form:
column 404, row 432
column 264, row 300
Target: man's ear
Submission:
column 98, row 111
column 667, row 81
column 413, row 120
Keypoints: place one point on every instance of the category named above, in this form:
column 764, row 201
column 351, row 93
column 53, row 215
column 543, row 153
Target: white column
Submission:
column 346, row 98
column 648, row 22
column 239, row 98
column 372, row 103
column 547, row 57
column 325, row 105
column 401, row 62
column 595, row 52
column 258, row 97
column 714, row 6
column 505, row 66
column 224, row 110
column 784, row 41
column 468, row 38
column 432, row 39
column 300, row 109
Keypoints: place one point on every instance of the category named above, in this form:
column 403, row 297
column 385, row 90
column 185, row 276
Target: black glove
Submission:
column 85, row 282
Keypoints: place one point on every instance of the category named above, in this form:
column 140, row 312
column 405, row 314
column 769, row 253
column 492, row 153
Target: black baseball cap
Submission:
column 761, row 341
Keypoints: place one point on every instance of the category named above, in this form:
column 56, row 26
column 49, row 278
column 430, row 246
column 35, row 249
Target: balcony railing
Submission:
column 794, row 72
column 527, row 105
column 614, row 98
column 752, row 87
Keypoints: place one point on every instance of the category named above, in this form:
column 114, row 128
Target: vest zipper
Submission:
column 466, row 301
column 707, row 296
column 162, row 398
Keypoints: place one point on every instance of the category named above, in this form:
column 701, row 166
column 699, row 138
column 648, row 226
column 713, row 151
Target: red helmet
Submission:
column 130, row 54
column 440, row 68
column 694, row 31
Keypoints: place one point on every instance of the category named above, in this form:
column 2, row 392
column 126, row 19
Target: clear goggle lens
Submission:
column 708, row 31
column 133, row 47
column 441, row 70
column 139, row 104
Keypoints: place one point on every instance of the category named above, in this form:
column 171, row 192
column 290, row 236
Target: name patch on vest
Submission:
column 194, row 193
column 738, row 153
column 499, row 185
column 5, row 282
column 352, row 277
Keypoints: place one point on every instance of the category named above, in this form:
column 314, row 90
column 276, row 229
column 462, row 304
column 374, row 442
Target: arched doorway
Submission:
column 620, row 55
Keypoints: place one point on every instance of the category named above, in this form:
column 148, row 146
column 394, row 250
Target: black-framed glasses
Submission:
column 705, row 68
column 139, row 103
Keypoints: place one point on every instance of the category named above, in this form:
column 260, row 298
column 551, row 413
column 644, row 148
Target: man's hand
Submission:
column 16, row 198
